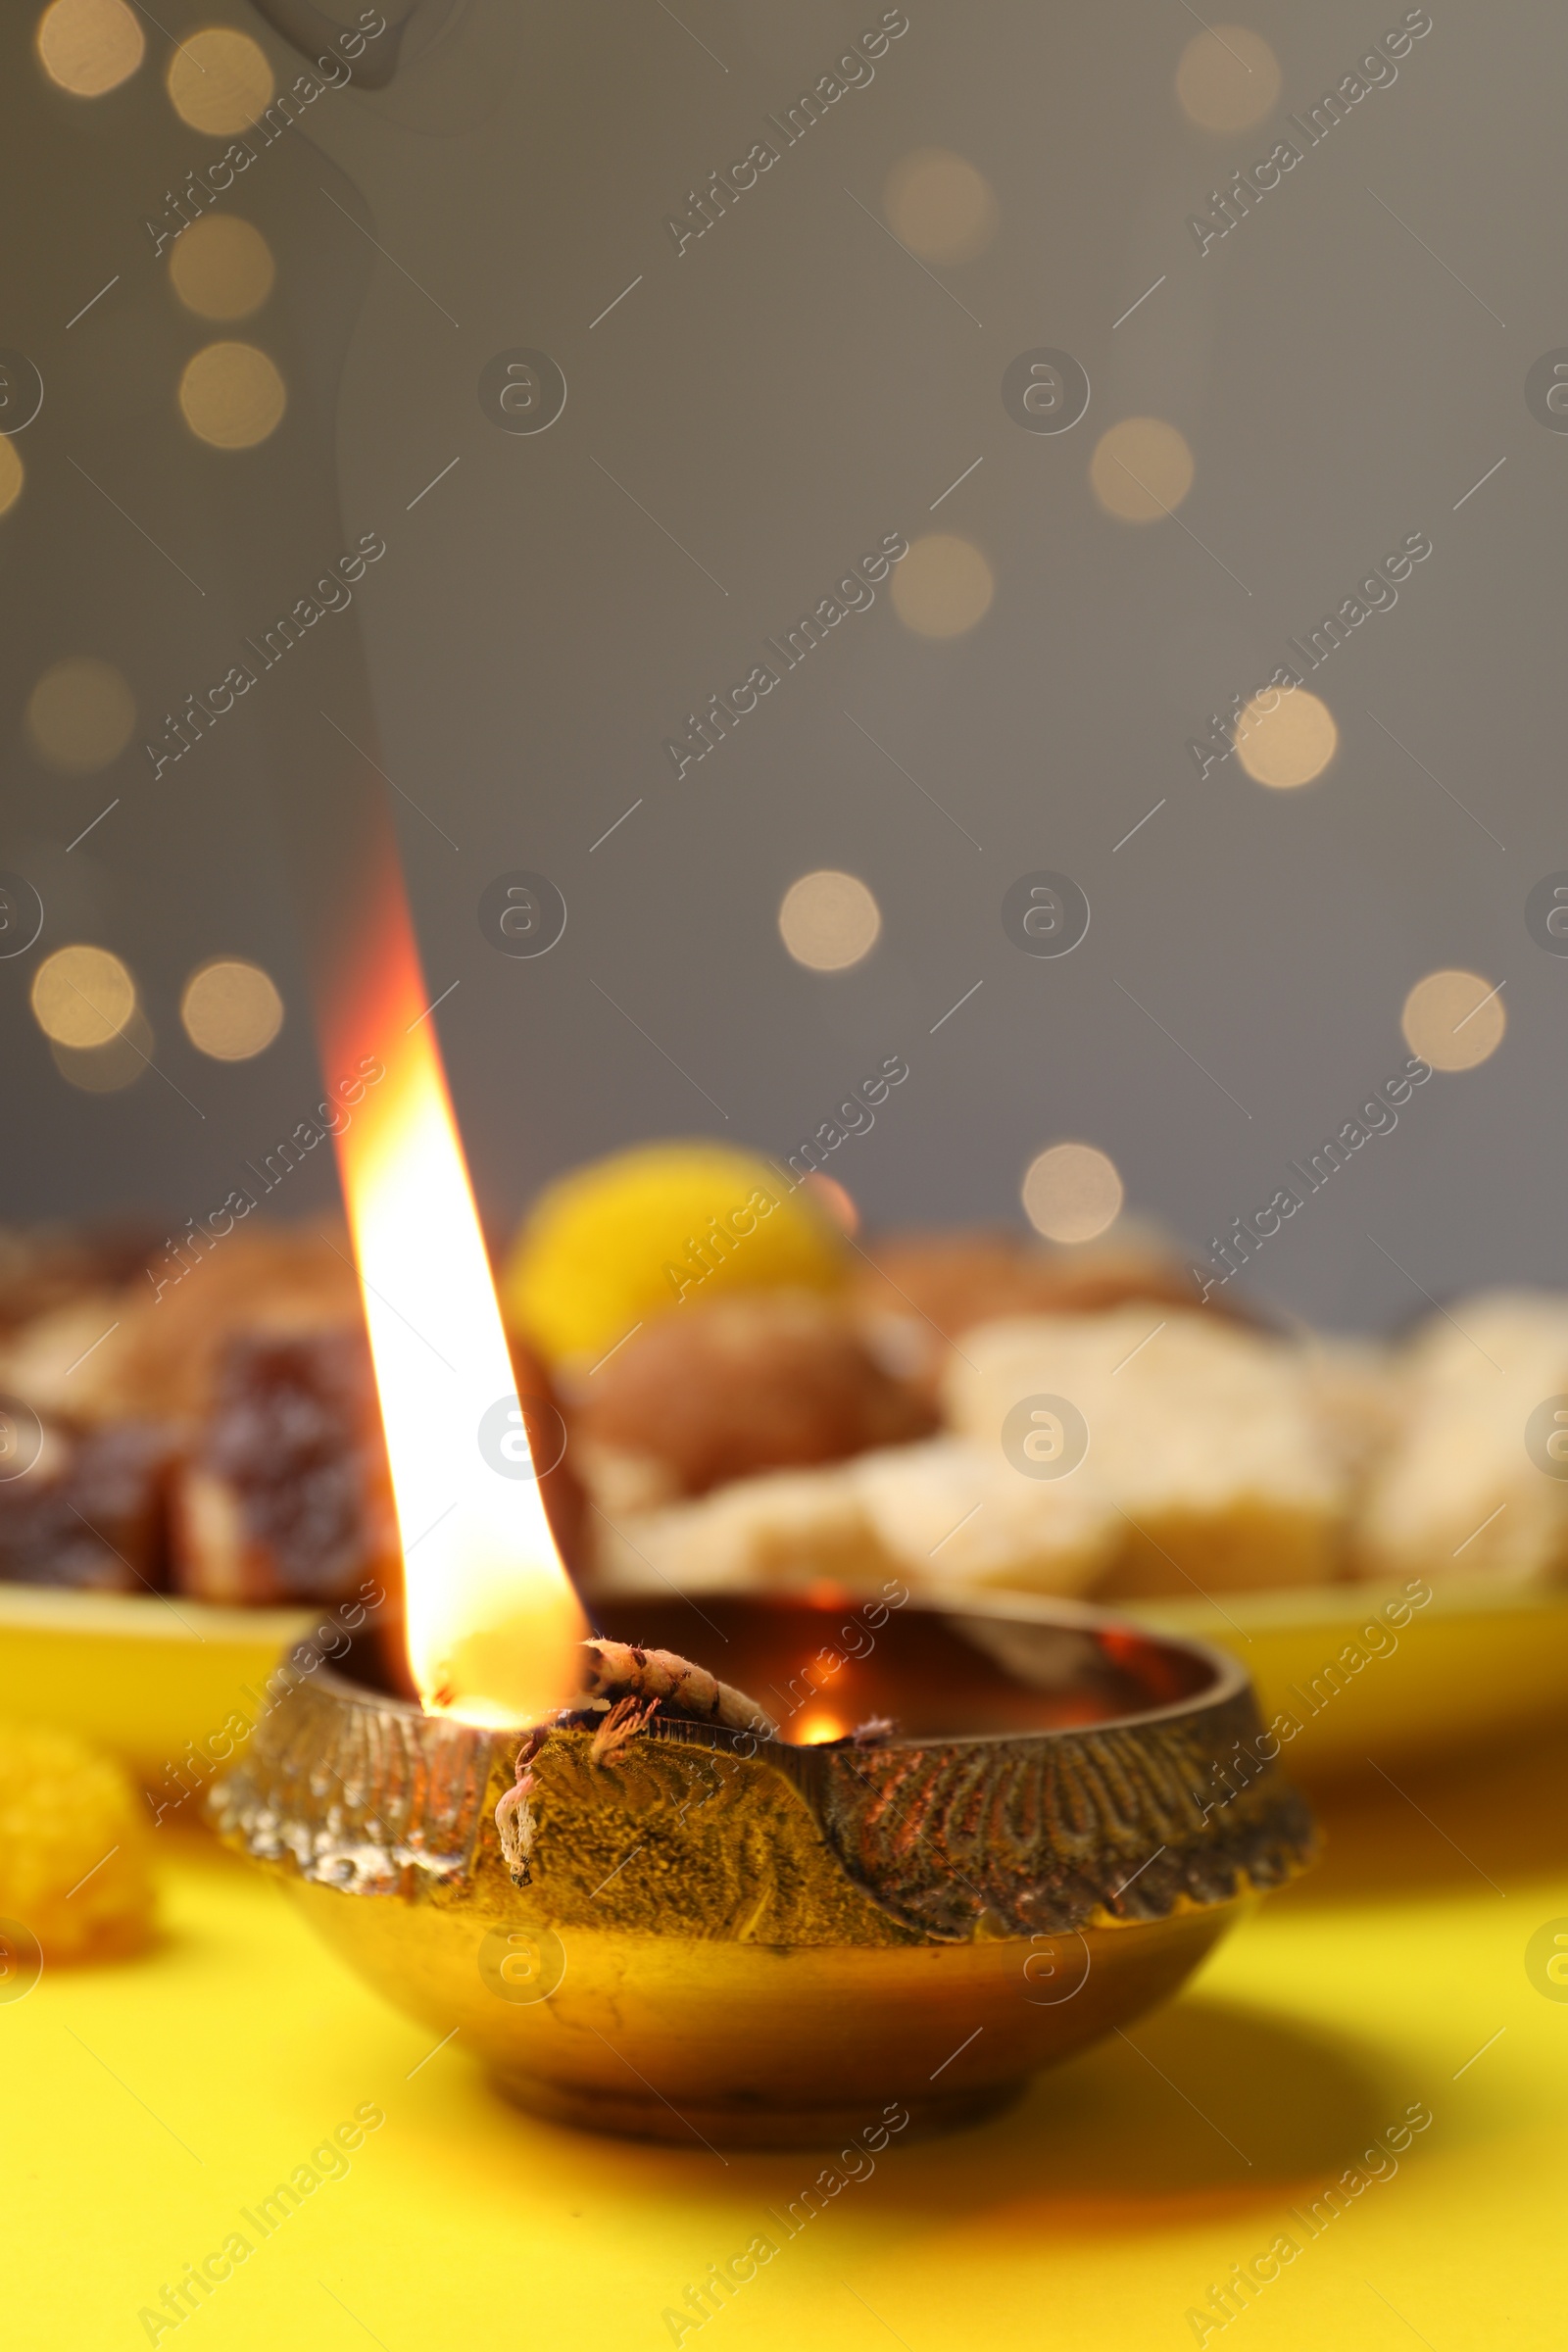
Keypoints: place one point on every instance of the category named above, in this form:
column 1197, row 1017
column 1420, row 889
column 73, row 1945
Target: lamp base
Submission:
column 754, row 2045
column 730, row 2125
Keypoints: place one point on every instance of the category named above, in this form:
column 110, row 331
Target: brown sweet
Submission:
column 89, row 1511
column 149, row 1348
column 286, row 1493
column 162, row 1434
column 762, row 1381
column 46, row 1266
column 267, row 1279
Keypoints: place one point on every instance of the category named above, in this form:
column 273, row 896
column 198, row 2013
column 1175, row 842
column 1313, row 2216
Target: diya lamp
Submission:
column 862, row 1856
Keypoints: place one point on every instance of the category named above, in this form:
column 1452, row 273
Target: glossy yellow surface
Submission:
column 151, row 2104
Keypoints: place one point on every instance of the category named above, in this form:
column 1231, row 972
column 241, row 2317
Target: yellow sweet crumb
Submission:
column 634, row 1236
column 73, row 1846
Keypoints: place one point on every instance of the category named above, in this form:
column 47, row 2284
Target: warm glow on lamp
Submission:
column 819, row 1726
column 492, row 1620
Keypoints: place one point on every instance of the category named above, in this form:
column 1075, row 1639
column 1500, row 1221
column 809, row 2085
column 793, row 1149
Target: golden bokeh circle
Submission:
column 1453, row 1019
column 221, row 266
column 1285, row 739
column 1073, row 1193
column 220, row 80
column 12, row 475
column 80, row 714
column 82, row 997
column 829, row 920
column 939, row 205
column 108, row 1068
column 1142, row 470
column 231, row 1010
column 943, row 586
column 90, row 46
column 231, row 395
column 1228, row 78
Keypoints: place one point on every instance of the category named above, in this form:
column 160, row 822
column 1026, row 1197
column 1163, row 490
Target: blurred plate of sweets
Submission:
column 756, row 1397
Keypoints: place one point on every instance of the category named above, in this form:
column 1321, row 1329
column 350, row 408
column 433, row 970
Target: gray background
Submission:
column 779, row 396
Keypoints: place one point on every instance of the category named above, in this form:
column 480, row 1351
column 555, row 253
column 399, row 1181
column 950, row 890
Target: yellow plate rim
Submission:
column 149, row 1616
column 176, row 1617
column 1288, row 1607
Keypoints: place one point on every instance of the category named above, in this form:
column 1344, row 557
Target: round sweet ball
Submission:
column 630, row 1237
column 73, row 1848
column 773, row 1381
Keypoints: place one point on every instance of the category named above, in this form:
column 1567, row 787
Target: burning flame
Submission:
column 492, row 1618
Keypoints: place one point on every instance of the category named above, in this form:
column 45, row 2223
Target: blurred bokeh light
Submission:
column 80, row 714
column 1071, row 1193
column 1453, row 1019
column 1285, row 739
column 231, row 1010
column 82, row 995
column 943, row 587
column 220, row 80
column 939, row 205
column 232, row 395
column 829, row 920
column 90, row 46
column 1228, row 78
column 221, row 266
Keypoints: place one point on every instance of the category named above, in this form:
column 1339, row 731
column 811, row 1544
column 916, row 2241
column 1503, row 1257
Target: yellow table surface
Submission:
column 147, row 2103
